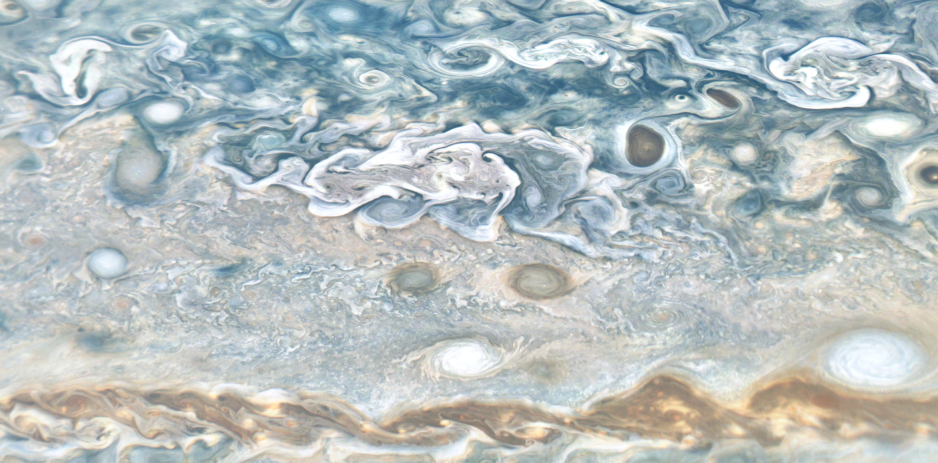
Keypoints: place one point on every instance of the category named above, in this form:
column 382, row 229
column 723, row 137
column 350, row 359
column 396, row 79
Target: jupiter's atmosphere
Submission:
column 514, row 231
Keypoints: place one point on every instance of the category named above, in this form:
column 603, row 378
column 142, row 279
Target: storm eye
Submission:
column 874, row 359
column 869, row 196
column 538, row 281
column 241, row 84
column 929, row 175
column 221, row 47
column 749, row 204
column 414, row 278
column 870, row 13
column 645, row 146
column 146, row 33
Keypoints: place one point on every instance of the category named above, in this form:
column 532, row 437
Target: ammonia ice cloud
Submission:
column 468, row 231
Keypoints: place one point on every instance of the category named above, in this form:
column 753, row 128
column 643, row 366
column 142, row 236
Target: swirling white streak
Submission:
column 462, row 163
column 808, row 87
column 435, row 59
column 464, row 358
column 569, row 48
column 836, row 72
column 874, row 358
column 68, row 62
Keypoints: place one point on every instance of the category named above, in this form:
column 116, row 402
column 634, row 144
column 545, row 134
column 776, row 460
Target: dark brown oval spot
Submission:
column 929, row 175
column 539, row 281
column 825, row 400
column 34, row 240
column 645, row 146
column 724, row 98
column 414, row 278
column 546, row 371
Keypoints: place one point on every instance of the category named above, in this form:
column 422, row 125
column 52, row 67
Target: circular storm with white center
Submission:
column 163, row 112
column 466, row 359
column 874, row 359
column 891, row 125
column 107, row 263
column 137, row 169
column 869, row 196
column 744, row 154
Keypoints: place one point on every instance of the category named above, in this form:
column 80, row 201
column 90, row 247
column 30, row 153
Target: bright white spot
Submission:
column 825, row 4
column 744, row 154
column 466, row 359
column 869, row 196
column 163, row 112
column 374, row 78
column 464, row 16
column 343, row 15
column 136, row 169
column 107, row 263
column 891, row 125
column 873, row 358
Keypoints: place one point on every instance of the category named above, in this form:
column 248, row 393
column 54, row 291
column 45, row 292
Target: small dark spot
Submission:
column 870, row 13
column 29, row 163
column 664, row 20
column 81, row 90
column 562, row 118
column 645, row 146
column 93, row 342
column 546, row 371
column 724, row 98
column 232, row 269
column 698, row 25
column 221, row 47
column 146, row 33
column 795, row 24
column 749, row 204
column 929, row 175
